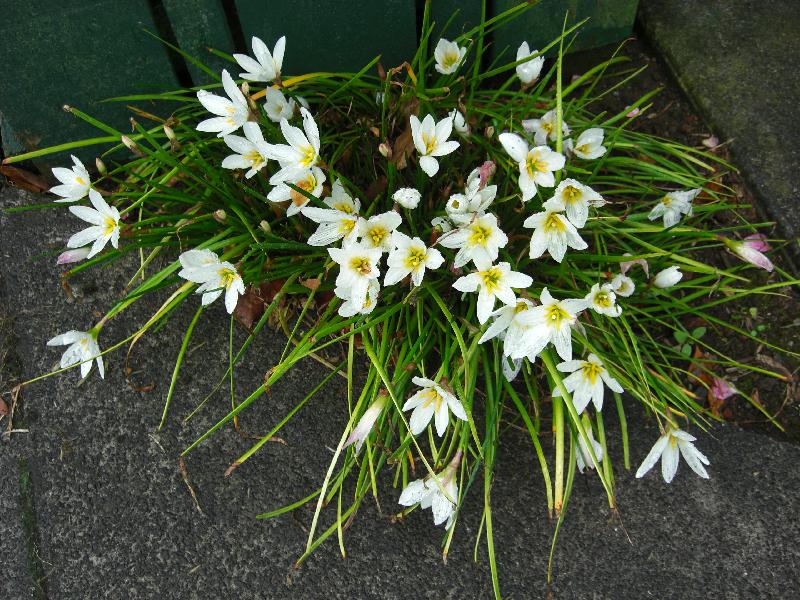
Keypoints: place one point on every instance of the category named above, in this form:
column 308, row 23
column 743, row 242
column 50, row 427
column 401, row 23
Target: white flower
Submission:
column 507, row 324
column 277, row 106
column 585, row 384
column 584, row 458
column 252, row 151
column 623, row 285
column 376, row 232
column 480, row 241
column 545, row 128
column 340, row 221
column 667, row 448
column 603, row 300
column 552, row 232
column 72, row 256
column 589, row 144
column 672, row 206
column 358, row 266
column 430, row 140
column 492, row 281
column 463, row 208
column 407, row 198
column 310, row 180
column 449, row 56
column 105, row 225
column 668, row 277
column 626, row 265
column 551, row 321
column 302, row 150
column 365, row 423
column 232, row 112
column 266, row 66
column 353, row 305
column 443, row 224
column 213, row 275
column 459, row 122
column 410, row 256
column 75, row 182
column 529, row 71
column 536, row 165
column 577, row 198
column 432, row 401
column 439, row 493
column 82, row 349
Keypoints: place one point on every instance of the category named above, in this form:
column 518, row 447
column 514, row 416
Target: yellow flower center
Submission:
column 666, row 201
column 583, row 148
column 346, row 226
column 308, row 155
column 430, row 143
column 415, row 257
column 603, row 300
column 556, row 314
column 553, row 222
column 547, row 126
column 491, row 279
column 450, row 59
column 109, row 225
column 254, row 158
column 377, row 234
column 307, row 184
column 361, row 265
column 80, row 181
column 536, row 163
column 571, row 194
column 226, row 277
column 480, row 235
column 343, row 207
column 591, row 371
column 432, row 396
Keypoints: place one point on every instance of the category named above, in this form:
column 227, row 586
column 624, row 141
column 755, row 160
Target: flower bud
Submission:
column 489, row 132
column 407, row 197
column 131, row 145
column 220, row 216
column 169, row 132
column 101, row 166
column 385, row 149
column 668, row 277
column 264, row 226
column 750, row 250
column 72, row 256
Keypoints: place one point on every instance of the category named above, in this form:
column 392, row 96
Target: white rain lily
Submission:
column 507, row 323
column 583, row 459
column 432, row 401
column 449, row 56
column 536, row 165
column 672, row 206
column 437, row 492
column 105, row 225
column 82, row 349
column 459, row 122
column 529, row 71
column 552, row 232
column 277, row 106
column 463, row 208
column 301, row 150
column 751, row 250
column 492, row 281
column 623, row 285
column 603, row 300
column 214, row 276
column 430, row 140
column 75, row 182
column 232, row 112
column 546, row 128
column 407, row 198
column 376, row 232
column 353, row 305
column 252, row 152
column 669, row 446
column 410, row 256
column 267, row 65
column 589, row 144
column 668, row 277
column 480, row 241
column 340, row 221
column 551, row 321
column 365, row 424
column 310, row 180
column 72, row 256
column 577, row 198
column 358, row 266
column 443, row 224
column 585, row 383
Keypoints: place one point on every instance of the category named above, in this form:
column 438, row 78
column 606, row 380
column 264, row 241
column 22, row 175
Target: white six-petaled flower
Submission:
column 479, row 241
column 437, row 492
column 75, row 182
column 449, row 56
column 430, row 140
column 407, row 198
column 507, row 324
column 353, row 304
column 364, row 426
column 623, row 285
column 589, row 144
column 232, row 112
column 577, row 198
column 529, row 71
column 215, row 276
column 551, row 321
column 358, row 267
column 603, row 300
column 410, row 256
column 339, row 221
column 301, row 150
column 376, row 232
column 82, row 349
column 462, row 209
column 585, row 383
column 668, row 277
column 553, row 232
column 583, row 459
column 536, row 165
column 669, row 447
column 545, row 128
column 277, row 106
column 492, row 281
column 459, row 122
column 672, row 206
column 310, row 180
column 267, row 65
column 251, row 151
column 432, row 401
column 105, row 225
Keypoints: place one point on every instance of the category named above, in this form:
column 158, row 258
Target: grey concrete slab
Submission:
column 737, row 61
column 117, row 521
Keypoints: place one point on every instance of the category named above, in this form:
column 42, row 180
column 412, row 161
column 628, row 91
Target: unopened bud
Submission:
column 131, row 145
column 264, row 226
column 245, row 88
column 101, row 166
column 72, row 256
column 385, row 149
column 169, row 132
column 220, row 216
column 489, row 132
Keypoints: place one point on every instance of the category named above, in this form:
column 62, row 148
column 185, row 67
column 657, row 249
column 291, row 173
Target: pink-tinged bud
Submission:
column 385, row 150
column 73, row 256
column 633, row 113
column 366, row 423
column 220, row 216
column 711, row 142
column 625, row 266
column 749, row 251
column 488, row 169
column 757, row 241
column 721, row 390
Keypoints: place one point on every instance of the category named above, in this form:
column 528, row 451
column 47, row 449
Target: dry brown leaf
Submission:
column 26, row 180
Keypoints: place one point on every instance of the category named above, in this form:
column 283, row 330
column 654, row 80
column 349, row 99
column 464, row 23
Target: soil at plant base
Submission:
column 774, row 318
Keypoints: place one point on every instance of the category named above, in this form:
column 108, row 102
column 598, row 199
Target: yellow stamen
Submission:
column 556, row 314
column 308, row 154
column 346, row 226
column 571, row 194
column 591, row 372
column 603, row 300
column 361, row 265
column 491, row 279
column 377, row 234
column 415, row 257
column 553, row 222
column 479, row 236
column 307, row 184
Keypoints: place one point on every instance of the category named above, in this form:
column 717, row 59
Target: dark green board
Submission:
column 54, row 52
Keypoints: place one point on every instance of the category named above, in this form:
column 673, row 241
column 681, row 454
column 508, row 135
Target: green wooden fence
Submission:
column 78, row 52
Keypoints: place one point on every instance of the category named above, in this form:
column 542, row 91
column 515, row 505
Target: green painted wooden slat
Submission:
column 332, row 34
column 468, row 15
column 56, row 52
column 199, row 25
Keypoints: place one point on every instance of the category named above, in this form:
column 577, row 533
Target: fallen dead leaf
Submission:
column 24, row 179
